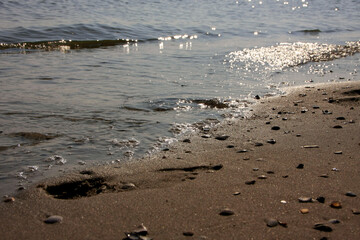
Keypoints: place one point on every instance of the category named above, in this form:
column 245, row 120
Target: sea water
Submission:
column 86, row 83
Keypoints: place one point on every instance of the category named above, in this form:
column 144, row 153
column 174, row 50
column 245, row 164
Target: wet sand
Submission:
column 228, row 183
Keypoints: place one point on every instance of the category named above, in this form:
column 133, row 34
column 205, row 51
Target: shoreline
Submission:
column 302, row 144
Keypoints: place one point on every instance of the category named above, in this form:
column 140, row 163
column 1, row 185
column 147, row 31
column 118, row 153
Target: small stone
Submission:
column 304, row 210
column 283, row 224
column 340, row 118
column 352, row 121
column 304, row 110
column 298, row 135
column 355, row 211
column 320, row 199
column 283, row 201
column 322, row 227
column 128, row 186
column 267, row 123
column 236, row 193
column 258, row 144
column 257, row 97
column 270, row 172
column 53, row 219
column 141, row 230
column 230, row 146
column 316, row 107
column 187, row 140
column 206, row 136
column 227, row 212
column 336, row 204
column 337, row 126
column 246, row 158
column 326, row 112
column 262, row 177
column 252, row 182
column 9, row 199
column 335, row 169
column 271, row 222
column 188, row 234
column 338, row 152
column 242, row 151
column 275, row 128
column 300, row 166
column 255, row 169
column 222, row 138
column 311, row 146
column 350, row 194
column 305, row 199
column 334, row 221
column 271, row 141
column 284, row 118
column 324, row 176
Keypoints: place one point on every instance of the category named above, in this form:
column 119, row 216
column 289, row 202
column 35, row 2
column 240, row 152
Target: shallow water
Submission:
column 103, row 81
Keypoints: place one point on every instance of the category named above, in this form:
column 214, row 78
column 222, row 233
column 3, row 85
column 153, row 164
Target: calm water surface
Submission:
column 93, row 82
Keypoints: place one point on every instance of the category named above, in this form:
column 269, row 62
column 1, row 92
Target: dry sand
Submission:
column 182, row 191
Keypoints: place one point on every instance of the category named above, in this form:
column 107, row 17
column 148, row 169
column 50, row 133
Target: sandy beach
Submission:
column 289, row 170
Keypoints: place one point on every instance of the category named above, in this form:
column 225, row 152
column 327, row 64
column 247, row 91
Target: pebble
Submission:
column 270, row 172
column 324, row 176
column 350, row 194
column 188, row 234
column 337, row 126
column 252, row 182
column 206, row 136
column 300, row 166
column 320, row 199
column 304, row 210
column 338, row 152
column 53, row 219
column 9, row 199
column 271, row 141
column 230, row 146
column 246, row 158
column 355, row 211
column 222, row 138
column 262, row 177
column 255, row 169
column 283, row 224
column 311, row 146
column 187, row 140
column 128, row 186
column 271, row 222
column 334, row 221
column 326, row 112
column 322, row 227
column 283, row 201
column 242, row 151
column 236, row 193
column 258, row 144
column 305, row 199
column 226, row 212
column 336, row 204
column 275, row 128
column 340, row 118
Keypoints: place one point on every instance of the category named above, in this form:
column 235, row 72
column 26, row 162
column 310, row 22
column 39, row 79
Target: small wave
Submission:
column 287, row 55
column 64, row 45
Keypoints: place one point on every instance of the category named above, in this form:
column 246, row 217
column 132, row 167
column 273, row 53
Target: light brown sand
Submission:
column 183, row 189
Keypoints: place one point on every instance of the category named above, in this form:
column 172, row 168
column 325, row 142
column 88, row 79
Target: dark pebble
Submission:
column 337, row 126
column 230, row 146
column 321, row 199
column 334, row 221
column 188, row 234
column 252, row 182
column 53, row 219
column 300, row 166
column 324, row 176
column 271, row 141
column 258, row 144
column 222, row 138
column 166, row 149
column 226, row 212
column 340, row 118
column 257, row 97
column 326, row 112
column 350, row 194
column 271, row 222
column 316, row 107
column 267, row 123
column 187, row 140
column 206, row 136
column 322, row 227
column 270, row 172
column 275, row 128
column 284, row 119
column 355, row 211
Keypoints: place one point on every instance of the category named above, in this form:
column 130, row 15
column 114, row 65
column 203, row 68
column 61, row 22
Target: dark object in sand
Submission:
column 227, row 212
column 275, row 128
column 322, row 227
column 222, row 138
column 271, row 222
column 336, row 204
column 53, row 219
column 321, row 199
column 300, row 166
column 252, row 182
column 350, row 194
